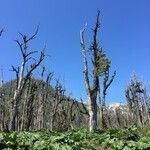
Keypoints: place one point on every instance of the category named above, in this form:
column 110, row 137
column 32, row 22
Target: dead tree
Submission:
column 59, row 97
column 99, row 63
column 45, row 96
column 22, row 75
column 26, row 107
column 106, row 84
column 42, row 98
column 132, row 93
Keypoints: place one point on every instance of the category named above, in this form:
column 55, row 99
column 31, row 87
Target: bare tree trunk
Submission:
column 92, row 115
column 14, row 113
column 91, row 100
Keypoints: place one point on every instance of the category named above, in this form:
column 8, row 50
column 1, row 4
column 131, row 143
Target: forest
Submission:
column 38, row 115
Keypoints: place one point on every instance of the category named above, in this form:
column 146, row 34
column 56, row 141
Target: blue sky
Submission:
column 124, row 35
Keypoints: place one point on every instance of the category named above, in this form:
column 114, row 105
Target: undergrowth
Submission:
column 129, row 138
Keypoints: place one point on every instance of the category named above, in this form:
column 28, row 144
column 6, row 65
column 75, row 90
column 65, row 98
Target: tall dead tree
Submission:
column 99, row 64
column 23, row 73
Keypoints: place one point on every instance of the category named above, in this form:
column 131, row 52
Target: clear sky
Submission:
column 124, row 35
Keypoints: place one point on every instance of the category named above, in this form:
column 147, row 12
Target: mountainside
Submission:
column 42, row 106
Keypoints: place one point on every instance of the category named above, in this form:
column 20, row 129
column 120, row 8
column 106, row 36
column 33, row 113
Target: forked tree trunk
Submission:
column 91, row 91
column 92, row 94
column 99, row 63
column 22, row 76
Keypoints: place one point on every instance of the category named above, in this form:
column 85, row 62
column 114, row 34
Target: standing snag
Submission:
column 99, row 63
column 23, row 74
column 107, row 81
column 134, row 93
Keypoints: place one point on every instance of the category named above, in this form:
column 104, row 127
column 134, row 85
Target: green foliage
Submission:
column 77, row 139
column 126, row 139
column 102, row 63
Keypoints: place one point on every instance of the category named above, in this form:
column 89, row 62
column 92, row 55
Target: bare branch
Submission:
column 34, row 35
column 86, row 78
column 49, row 77
column 36, row 64
column 20, row 46
column 84, row 107
column 107, row 83
column 30, row 53
column 16, row 70
column 111, row 80
column 1, row 32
